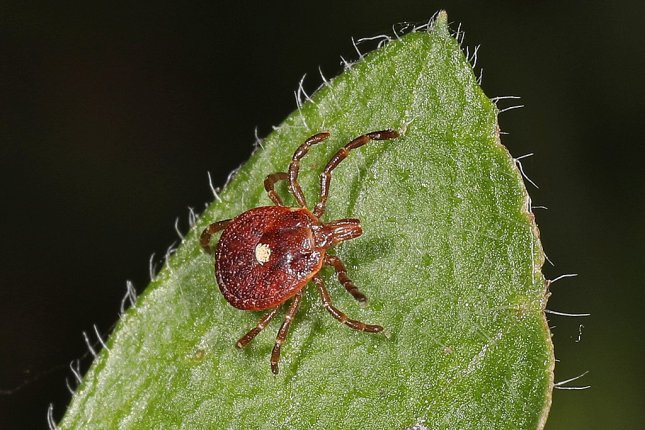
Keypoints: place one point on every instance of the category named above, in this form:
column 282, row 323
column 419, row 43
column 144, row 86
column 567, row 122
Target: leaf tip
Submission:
column 441, row 23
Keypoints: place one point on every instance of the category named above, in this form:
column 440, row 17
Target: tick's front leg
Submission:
column 341, row 271
column 339, row 315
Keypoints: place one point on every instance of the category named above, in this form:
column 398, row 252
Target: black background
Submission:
column 111, row 116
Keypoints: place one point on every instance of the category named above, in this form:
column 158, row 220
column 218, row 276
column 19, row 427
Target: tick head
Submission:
column 338, row 231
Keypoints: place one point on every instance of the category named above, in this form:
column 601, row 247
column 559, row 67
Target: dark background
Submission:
column 111, row 116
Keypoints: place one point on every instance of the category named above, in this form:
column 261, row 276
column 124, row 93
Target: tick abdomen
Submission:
column 266, row 255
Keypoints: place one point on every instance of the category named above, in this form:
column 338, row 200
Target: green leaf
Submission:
column 450, row 260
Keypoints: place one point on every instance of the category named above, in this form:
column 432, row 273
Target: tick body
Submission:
column 267, row 255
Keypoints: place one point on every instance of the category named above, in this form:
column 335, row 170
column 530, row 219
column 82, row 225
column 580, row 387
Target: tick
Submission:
column 267, row 255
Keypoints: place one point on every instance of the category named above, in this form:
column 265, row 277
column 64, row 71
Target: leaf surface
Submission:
column 450, row 260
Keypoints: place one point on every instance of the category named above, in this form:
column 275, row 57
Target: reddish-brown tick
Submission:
column 267, row 255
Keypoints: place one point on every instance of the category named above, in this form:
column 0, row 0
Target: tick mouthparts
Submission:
column 345, row 229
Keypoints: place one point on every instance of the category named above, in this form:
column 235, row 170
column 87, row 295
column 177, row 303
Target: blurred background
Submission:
column 112, row 115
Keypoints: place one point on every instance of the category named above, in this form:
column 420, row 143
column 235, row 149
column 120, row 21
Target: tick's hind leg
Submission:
column 266, row 319
column 341, row 271
column 284, row 330
column 205, row 238
column 294, row 167
column 325, row 177
column 269, row 184
column 340, row 316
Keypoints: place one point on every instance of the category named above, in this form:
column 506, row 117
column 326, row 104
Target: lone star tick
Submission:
column 266, row 255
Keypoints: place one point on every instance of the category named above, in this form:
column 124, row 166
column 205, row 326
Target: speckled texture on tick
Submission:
column 283, row 233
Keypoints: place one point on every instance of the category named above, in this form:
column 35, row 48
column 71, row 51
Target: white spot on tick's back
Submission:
column 262, row 253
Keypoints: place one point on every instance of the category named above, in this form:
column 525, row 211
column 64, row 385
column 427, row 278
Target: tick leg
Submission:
column 340, row 316
column 325, row 177
column 266, row 319
column 341, row 271
column 269, row 183
column 294, row 167
column 284, row 330
column 205, row 238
